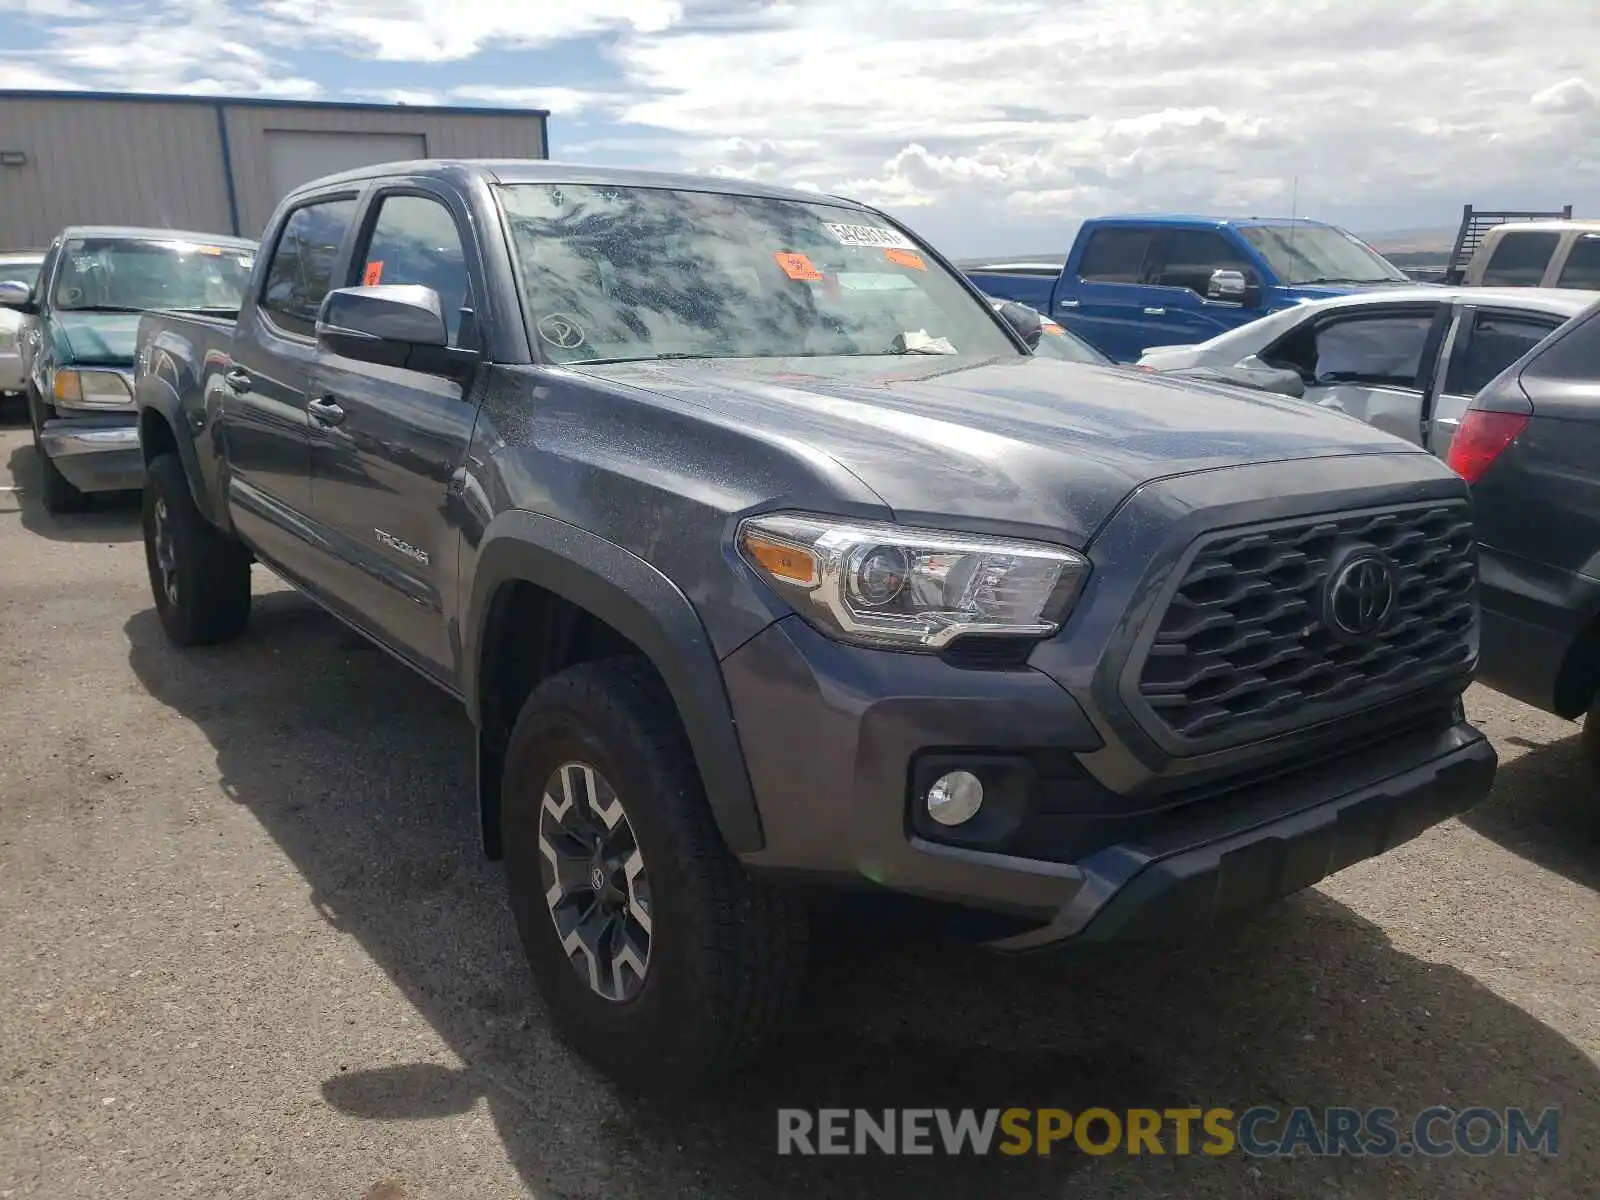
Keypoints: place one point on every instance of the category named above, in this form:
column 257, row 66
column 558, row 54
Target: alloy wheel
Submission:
column 166, row 551
column 595, row 882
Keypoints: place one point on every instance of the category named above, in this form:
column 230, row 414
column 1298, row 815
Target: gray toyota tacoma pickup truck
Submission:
column 770, row 564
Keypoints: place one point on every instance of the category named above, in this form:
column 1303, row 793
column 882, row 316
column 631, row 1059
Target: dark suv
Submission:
column 768, row 561
column 1530, row 446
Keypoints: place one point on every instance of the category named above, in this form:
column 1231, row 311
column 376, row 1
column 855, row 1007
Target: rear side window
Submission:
column 1186, row 258
column 1493, row 343
column 1575, row 355
column 1384, row 349
column 1520, row 259
column 1114, row 255
column 1582, row 269
column 303, row 261
column 415, row 240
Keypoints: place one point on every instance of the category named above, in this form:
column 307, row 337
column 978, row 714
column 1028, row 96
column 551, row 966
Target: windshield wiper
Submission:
column 600, row 362
column 1343, row 279
column 109, row 308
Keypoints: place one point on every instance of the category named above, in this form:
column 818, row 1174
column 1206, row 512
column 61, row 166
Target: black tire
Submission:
column 1591, row 737
column 726, row 955
column 208, row 600
column 57, row 494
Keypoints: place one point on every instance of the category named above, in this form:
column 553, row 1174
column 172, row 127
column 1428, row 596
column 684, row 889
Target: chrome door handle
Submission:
column 1155, row 312
column 1066, row 304
column 325, row 410
column 239, row 381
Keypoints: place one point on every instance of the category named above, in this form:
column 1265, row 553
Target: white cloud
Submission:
column 428, row 31
column 1569, row 96
column 1032, row 109
column 564, row 100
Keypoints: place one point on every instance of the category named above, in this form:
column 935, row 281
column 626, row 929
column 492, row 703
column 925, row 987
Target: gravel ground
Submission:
column 248, row 948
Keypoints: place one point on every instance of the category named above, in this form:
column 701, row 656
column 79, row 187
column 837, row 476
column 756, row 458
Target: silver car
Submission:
column 1407, row 360
column 20, row 266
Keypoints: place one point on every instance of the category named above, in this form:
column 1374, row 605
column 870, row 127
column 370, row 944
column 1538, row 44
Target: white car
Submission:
column 22, row 267
column 1407, row 360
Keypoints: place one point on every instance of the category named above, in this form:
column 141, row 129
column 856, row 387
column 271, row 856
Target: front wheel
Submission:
column 659, row 959
column 56, row 492
column 199, row 576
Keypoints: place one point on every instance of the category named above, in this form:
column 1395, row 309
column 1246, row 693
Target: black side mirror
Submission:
column 393, row 325
column 17, row 295
column 1028, row 324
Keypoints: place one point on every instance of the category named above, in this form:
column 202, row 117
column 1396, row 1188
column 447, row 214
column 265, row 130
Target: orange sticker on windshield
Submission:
column 905, row 258
column 374, row 273
column 797, row 266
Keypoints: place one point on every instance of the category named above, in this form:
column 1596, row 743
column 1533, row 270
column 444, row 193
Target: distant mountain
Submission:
column 1416, row 241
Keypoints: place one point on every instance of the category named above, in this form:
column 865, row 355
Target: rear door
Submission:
column 1108, row 310
column 1177, row 273
column 388, row 444
column 1483, row 342
column 264, row 398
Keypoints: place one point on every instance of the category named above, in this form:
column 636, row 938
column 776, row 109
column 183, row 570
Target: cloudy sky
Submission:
column 991, row 127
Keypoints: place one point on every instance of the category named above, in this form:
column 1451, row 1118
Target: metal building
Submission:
column 212, row 164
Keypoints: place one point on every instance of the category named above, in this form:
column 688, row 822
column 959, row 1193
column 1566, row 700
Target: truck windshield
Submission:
column 1319, row 254
column 135, row 274
column 624, row 273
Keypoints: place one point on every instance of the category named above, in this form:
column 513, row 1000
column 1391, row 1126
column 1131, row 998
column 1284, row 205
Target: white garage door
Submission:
column 296, row 156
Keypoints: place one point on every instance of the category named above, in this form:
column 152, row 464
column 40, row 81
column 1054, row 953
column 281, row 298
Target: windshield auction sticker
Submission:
column 873, row 237
column 797, row 266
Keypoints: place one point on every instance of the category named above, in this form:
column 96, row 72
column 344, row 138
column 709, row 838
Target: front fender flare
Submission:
column 646, row 607
column 157, row 402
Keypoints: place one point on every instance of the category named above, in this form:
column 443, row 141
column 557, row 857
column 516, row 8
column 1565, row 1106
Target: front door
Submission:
column 1177, row 275
column 1485, row 343
column 1373, row 363
column 388, row 444
column 264, row 387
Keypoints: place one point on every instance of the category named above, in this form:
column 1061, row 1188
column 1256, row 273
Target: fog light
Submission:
column 955, row 798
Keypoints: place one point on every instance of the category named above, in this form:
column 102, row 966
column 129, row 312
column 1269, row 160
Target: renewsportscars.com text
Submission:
column 1261, row 1132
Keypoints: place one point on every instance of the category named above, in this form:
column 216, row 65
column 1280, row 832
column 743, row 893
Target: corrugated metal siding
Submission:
column 448, row 136
column 93, row 162
column 154, row 162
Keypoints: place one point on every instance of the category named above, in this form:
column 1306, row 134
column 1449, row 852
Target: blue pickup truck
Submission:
column 1134, row 282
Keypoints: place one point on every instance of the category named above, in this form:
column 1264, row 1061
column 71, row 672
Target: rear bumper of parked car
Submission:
column 98, row 454
column 11, row 376
column 1532, row 614
column 842, row 744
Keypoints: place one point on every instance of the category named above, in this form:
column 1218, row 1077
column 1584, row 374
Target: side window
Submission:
column 1186, row 257
column 1582, row 269
column 1574, row 355
column 1114, row 255
column 1520, row 259
column 1384, row 349
column 302, row 264
column 1493, row 343
column 415, row 240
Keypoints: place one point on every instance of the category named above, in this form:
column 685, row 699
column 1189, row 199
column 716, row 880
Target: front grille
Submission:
column 1244, row 651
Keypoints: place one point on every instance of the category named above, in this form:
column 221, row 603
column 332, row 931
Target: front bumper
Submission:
column 834, row 737
column 95, row 454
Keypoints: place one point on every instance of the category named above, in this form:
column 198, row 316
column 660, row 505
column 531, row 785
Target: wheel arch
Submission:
column 626, row 595
column 160, row 419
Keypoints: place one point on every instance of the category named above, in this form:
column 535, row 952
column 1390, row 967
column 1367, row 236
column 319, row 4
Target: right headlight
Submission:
column 912, row 589
column 92, row 389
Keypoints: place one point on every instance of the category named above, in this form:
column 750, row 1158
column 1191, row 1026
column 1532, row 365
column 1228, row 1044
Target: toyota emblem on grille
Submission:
column 1360, row 595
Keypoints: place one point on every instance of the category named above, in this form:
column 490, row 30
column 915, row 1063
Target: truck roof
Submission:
column 1567, row 302
column 543, row 170
column 149, row 233
column 1201, row 219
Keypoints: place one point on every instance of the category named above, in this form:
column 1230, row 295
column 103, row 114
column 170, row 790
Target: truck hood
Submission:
column 1046, row 447
column 96, row 337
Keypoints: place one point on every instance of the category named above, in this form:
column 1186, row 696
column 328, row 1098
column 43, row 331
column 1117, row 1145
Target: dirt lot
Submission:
column 248, row 948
